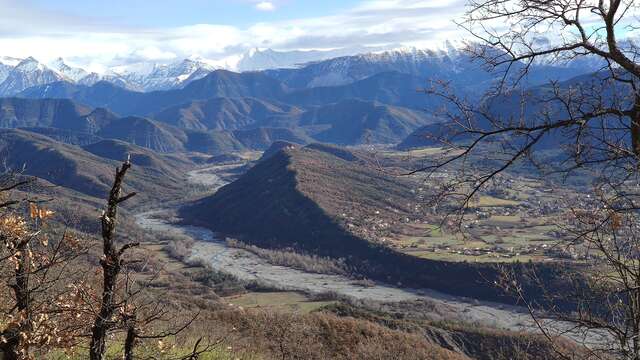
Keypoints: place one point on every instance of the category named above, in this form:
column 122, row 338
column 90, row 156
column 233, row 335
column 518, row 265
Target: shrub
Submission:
column 179, row 247
column 308, row 263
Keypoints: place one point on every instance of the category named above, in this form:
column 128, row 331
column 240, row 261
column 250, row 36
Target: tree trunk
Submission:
column 9, row 350
column 103, row 322
column 635, row 126
column 132, row 335
column 110, row 266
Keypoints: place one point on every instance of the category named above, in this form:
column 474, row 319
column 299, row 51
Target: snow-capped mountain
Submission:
column 4, row 71
column 19, row 74
column 176, row 75
column 258, row 60
column 6, row 65
column 296, row 69
column 90, row 79
column 446, row 61
column 113, row 78
column 149, row 76
column 74, row 73
column 27, row 73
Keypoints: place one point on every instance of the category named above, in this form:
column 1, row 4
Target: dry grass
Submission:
column 286, row 301
column 324, row 336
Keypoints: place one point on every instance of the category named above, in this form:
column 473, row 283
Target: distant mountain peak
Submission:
column 151, row 76
column 263, row 59
column 61, row 67
column 59, row 61
column 30, row 64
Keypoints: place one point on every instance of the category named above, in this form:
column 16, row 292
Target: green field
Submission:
column 519, row 240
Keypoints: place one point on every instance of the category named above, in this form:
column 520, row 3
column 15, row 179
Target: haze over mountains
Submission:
column 21, row 74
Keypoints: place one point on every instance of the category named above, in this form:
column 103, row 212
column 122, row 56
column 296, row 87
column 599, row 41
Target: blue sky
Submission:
column 163, row 13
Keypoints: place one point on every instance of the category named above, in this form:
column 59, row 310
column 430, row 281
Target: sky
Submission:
column 94, row 34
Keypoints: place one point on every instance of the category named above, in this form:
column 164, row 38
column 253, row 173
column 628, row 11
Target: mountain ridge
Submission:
column 297, row 69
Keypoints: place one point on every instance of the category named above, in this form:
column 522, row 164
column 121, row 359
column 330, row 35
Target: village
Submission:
column 516, row 218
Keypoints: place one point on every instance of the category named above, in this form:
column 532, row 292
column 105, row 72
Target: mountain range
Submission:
column 536, row 105
column 17, row 75
column 67, row 122
column 295, row 69
column 382, row 109
column 21, row 74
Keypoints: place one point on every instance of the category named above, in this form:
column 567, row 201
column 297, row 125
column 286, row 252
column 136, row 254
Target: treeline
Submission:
column 309, row 263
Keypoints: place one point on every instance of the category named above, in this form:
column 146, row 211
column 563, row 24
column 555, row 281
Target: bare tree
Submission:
column 142, row 315
column 594, row 125
column 111, row 266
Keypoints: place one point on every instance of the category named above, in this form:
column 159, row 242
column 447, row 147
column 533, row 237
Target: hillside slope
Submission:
column 356, row 122
column 391, row 88
column 68, row 122
column 125, row 102
column 347, row 122
column 146, row 133
column 75, row 168
column 169, row 165
column 228, row 114
column 298, row 189
column 65, row 136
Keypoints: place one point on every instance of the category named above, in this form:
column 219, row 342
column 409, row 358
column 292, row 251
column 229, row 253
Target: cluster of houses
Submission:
column 493, row 251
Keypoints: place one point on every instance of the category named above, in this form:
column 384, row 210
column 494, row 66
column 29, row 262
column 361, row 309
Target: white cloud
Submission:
column 34, row 32
column 265, row 6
